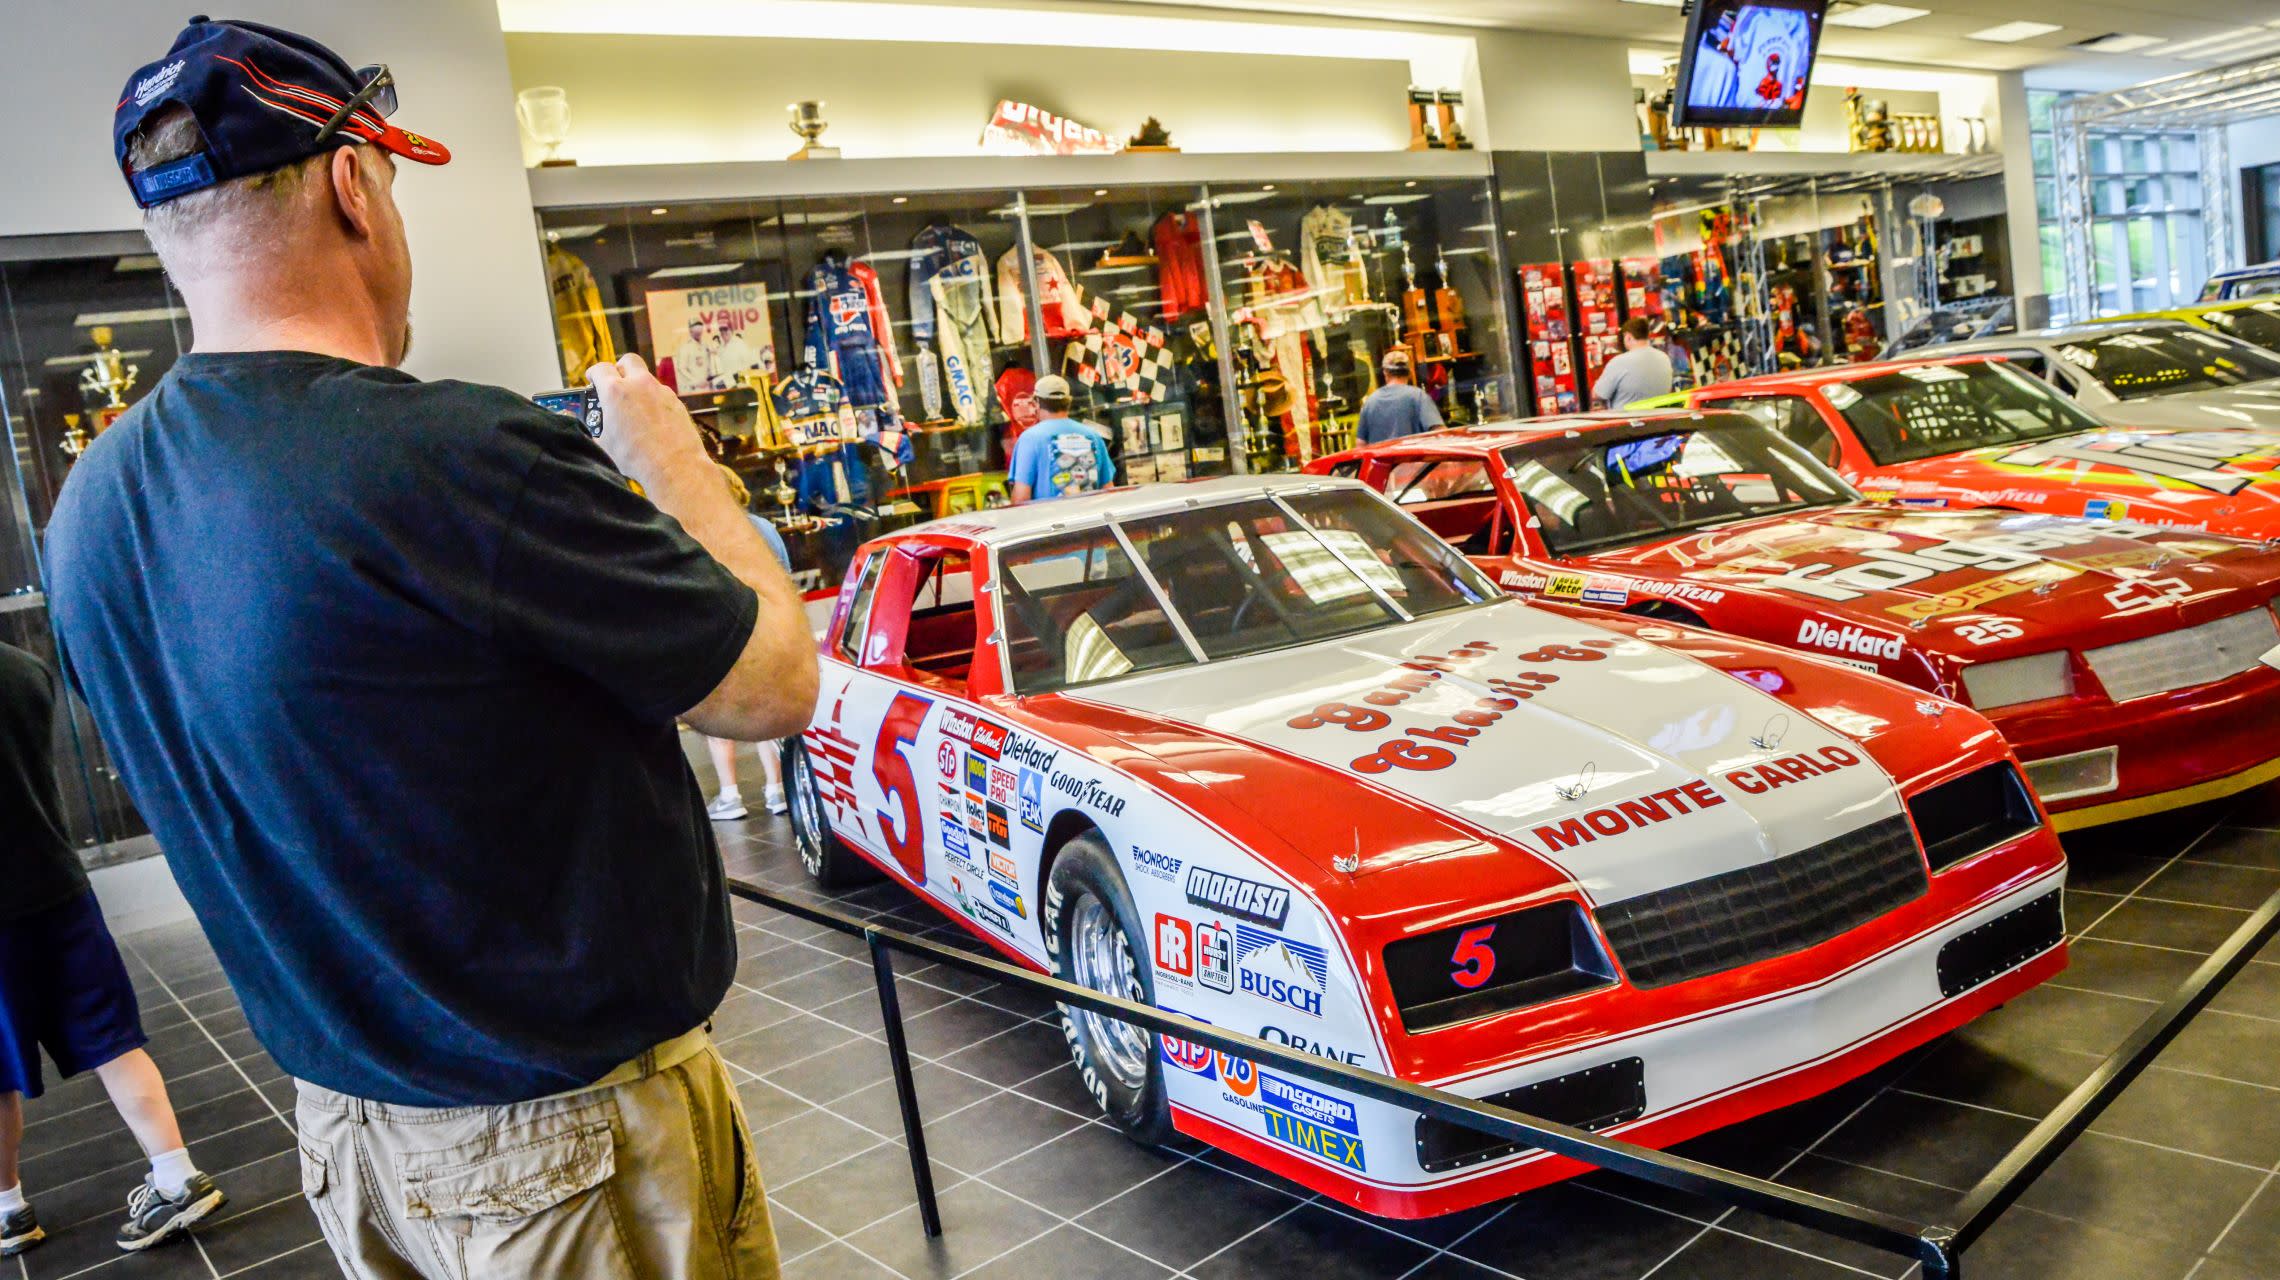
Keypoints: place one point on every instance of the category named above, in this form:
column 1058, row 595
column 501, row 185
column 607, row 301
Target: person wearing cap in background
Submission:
column 392, row 668
column 1060, row 455
column 1399, row 408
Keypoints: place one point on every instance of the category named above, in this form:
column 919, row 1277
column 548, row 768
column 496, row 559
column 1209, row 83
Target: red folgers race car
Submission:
column 1980, row 432
column 1267, row 752
column 2129, row 665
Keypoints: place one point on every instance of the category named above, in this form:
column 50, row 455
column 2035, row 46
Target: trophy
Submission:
column 108, row 374
column 807, row 121
column 75, row 437
column 545, row 115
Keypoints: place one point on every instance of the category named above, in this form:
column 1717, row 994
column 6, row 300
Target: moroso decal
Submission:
column 1759, row 779
column 1629, row 815
column 1244, row 899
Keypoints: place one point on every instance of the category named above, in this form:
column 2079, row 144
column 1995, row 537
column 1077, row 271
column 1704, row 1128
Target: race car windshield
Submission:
column 1220, row 581
column 1587, row 494
column 2258, row 323
column 1937, row 409
column 2163, row 362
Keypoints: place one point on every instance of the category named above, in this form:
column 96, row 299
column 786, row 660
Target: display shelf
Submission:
column 1894, row 165
column 582, row 186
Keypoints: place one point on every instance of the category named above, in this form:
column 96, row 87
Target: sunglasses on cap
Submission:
column 378, row 93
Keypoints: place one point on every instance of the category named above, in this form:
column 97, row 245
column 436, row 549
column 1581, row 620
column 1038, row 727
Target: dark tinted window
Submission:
column 2160, row 362
column 2259, row 323
column 1932, row 409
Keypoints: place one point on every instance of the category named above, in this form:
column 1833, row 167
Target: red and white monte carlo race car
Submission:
column 1266, row 752
column 2130, row 666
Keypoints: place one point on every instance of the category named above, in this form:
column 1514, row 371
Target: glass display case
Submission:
column 85, row 331
column 866, row 362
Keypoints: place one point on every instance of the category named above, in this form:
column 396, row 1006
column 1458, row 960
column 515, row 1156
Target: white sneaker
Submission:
column 773, row 798
column 726, row 807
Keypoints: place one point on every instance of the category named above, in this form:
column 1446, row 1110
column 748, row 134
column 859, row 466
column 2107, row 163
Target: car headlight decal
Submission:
column 2016, row 680
column 1511, row 961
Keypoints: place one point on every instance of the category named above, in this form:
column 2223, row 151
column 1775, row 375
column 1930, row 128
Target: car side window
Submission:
column 1795, row 419
column 2033, row 362
column 858, row 617
column 920, row 624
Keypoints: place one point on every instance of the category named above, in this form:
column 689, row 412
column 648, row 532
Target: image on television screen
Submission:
column 1749, row 62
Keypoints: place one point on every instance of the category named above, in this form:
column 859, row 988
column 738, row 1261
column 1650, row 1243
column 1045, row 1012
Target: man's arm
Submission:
column 1603, row 385
column 1018, row 484
column 1428, row 413
column 770, row 692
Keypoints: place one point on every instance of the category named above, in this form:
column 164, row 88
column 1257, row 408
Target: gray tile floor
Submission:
column 2181, row 1181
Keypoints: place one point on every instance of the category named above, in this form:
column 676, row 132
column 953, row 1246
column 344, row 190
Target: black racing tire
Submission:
column 1097, row 942
column 827, row 858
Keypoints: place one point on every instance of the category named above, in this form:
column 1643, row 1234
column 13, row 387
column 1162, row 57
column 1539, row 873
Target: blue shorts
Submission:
column 63, row 988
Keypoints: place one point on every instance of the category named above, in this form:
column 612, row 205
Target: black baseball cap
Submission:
column 262, row 97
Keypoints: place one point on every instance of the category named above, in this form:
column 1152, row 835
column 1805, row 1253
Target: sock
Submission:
column 172, row 1171
column 11, row 1200
column 730, row 793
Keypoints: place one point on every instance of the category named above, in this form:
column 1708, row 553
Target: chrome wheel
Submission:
column 807, row 817
column 1100, row 957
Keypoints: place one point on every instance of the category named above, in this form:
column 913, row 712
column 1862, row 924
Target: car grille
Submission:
column 1774, row 908
column 2182, row 659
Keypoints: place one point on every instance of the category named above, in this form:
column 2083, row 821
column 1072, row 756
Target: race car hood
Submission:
column 1623, row 765
column 2255, row 404
column 2229, row 480
column 1896, row 571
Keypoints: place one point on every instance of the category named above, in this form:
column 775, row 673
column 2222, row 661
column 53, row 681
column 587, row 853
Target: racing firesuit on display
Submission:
column 966, row 326
column 819, row 421
column 1065, row 314
column 848, row 334
column 937, row 248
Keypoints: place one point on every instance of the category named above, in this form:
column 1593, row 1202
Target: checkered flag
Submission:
column 1124, row 351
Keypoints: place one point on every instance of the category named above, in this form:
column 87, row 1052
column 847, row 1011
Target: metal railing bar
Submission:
column 2011, row 1176
column 1889, row 1233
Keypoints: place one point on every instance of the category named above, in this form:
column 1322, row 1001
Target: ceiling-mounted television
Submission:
column 1746, row 63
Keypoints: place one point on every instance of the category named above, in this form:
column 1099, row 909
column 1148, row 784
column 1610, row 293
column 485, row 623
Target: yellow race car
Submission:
column 2254, row 320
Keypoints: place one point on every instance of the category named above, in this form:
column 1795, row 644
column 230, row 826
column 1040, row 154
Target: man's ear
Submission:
column 351, row 192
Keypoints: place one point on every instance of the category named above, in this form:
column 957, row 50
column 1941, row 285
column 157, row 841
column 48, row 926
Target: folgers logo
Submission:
column 1848, row 639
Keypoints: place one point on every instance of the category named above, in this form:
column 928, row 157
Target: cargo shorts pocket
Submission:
column 535, row 1202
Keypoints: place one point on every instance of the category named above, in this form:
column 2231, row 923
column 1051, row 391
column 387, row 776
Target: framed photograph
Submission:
column 1171, row 429
column 706, row 338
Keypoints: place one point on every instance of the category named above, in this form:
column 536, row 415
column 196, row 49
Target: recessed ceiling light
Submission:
column 2012, row 32
column 2117, row 43
column 659, row 211
column 1873, row 16
column 2202, row 45
column 1660, row 4
column 902, row 199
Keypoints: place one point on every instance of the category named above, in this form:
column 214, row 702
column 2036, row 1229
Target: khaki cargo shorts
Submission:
column 647, row 1173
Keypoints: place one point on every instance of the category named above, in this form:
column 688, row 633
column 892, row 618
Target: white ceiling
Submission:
column 2232, row 30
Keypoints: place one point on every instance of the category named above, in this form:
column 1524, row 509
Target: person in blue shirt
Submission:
column 1059, row 455
column 1399, row 408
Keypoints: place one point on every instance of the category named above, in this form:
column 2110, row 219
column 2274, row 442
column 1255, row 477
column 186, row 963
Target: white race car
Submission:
column 1267, row 752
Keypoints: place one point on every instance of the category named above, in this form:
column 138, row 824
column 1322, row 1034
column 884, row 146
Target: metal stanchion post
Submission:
column 906, row 1087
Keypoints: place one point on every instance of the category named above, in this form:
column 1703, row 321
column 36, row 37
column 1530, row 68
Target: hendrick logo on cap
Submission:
column 157, row 82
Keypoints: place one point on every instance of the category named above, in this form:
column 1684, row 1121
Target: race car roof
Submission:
column 1000, row 525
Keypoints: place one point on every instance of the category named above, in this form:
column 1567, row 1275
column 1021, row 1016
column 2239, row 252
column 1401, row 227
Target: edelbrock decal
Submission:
column 1847, row 638
column 1234, row 896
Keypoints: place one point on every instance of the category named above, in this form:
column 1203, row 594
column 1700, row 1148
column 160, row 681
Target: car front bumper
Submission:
column 1700, row 1072
column 2152, row 754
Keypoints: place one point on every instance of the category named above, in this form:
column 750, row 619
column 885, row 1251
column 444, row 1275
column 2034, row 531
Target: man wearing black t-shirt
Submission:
column 393, row 667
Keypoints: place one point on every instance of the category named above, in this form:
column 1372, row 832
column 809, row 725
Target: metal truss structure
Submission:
column 2203, row 102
